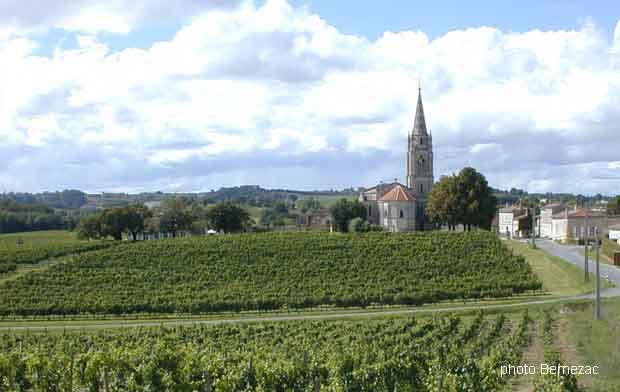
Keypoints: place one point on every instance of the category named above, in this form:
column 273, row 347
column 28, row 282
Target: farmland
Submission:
column 444, row 353
column 273, row 271
column 33, row 247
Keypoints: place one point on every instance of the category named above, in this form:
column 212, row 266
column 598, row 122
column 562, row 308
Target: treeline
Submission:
column 176, row 215
column 69, row 198
column 15, row 218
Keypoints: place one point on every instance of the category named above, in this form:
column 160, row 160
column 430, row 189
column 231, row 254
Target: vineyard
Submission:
column 395, row 354
column 272, row 271
column 33, row 247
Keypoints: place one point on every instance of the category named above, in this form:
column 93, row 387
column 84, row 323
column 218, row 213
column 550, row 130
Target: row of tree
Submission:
column 174, row 216
column 15, row 217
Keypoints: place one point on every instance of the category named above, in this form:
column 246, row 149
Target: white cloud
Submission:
column 271, row 88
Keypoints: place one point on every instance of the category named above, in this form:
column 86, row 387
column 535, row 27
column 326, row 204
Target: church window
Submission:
column 401, row 214
column 421, row 188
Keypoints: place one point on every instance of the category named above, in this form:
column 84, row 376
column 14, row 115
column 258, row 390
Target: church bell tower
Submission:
column 420, row 156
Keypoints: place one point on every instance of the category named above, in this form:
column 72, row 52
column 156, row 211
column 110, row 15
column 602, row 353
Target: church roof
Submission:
column 419, row 123
column 398, row 193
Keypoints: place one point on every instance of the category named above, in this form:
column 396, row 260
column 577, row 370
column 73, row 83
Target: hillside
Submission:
column 272, row 271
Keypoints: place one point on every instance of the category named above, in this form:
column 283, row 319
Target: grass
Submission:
column 608, row 247
column 38, row 237
column 596, row 342
column 559, row 277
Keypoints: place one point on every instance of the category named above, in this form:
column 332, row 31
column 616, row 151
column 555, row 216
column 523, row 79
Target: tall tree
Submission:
column 175, row 216
column 89, row 227
column 442, row 205
column 465, row 198
column 344, row 211
column 228, row 217
column 135, row 219
column 613, row 206
column 113, row 223
column 476, row 200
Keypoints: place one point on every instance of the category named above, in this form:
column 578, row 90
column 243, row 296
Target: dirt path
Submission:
column 45, row 326
column 533, row 356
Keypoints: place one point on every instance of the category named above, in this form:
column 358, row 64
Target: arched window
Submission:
column 402, row 214
column 421, row 188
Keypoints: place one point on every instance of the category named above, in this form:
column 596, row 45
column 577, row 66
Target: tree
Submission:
column 175, row 216
column 228, row 217
column 613, row 206
column 360, row 225
column 477, row 203
column 113, row 223
column 89, row 227
column 442, row 205
column 135, row 217
column 344, row 211
column 465, row 198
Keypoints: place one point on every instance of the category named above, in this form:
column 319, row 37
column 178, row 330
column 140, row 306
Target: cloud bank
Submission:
column 273, row 95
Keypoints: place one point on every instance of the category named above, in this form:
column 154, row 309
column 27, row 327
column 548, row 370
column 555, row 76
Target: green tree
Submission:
column 113, row 223
column 135, row 219
column 442, row 205
column 613, row 206
column 228, row 217
column 344, row 211
column 175, row 216
column 476, row 200
column 89, row 227
column 465, row 198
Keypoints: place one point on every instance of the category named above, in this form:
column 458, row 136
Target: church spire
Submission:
column 419, row 123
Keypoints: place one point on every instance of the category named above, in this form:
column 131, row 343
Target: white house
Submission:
column 614, row 233
column 514, row 222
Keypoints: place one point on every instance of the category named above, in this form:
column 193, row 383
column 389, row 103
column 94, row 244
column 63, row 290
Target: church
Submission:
column 398, row 207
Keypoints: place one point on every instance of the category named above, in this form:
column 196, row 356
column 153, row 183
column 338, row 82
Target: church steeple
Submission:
column 420, row 156
column 419, row 123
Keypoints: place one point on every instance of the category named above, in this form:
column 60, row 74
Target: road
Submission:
column 572, row 254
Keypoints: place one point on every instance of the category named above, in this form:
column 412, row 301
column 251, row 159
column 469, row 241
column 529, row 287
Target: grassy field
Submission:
column 38, row 237
column 590, row 342
column 33, row 247
column 559, row 277
column 606, row 251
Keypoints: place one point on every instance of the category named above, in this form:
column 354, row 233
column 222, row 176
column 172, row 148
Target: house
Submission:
column 514, row 222
column 573, row 226
column 317, row 220
column 546, row 218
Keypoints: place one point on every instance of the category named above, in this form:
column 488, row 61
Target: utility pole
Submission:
column 598, row 277
column 533, row 231
column 587, row 239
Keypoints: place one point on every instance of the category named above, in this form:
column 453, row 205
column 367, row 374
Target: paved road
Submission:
column 572, row 254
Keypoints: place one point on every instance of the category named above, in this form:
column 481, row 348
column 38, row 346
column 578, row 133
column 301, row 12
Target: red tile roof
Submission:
column 398, row 193
column 576, row 214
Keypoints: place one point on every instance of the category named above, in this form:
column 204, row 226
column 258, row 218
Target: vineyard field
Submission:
column 270, row 271
column 393, row 354
column 33, row 247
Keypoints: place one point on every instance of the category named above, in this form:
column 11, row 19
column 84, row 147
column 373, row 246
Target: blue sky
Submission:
column 371, row 18
column 193, row 95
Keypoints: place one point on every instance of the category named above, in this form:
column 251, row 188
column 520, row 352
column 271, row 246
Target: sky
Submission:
column 192, row 95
